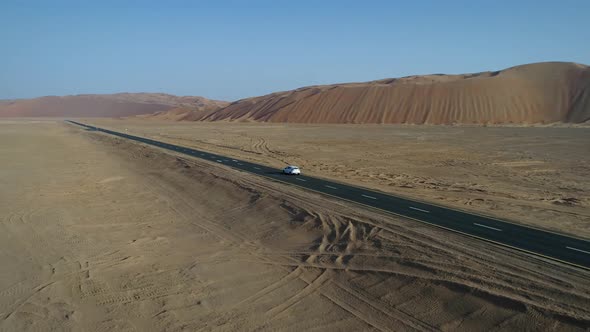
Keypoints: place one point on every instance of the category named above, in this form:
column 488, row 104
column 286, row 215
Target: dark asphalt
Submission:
column 570, row 250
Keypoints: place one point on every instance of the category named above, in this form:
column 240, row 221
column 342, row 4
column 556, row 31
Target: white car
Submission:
column 292, row 170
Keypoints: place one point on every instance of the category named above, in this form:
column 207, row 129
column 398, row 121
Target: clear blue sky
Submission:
column 235, row 49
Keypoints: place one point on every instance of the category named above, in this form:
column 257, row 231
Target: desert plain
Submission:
column 98, row 233
column 536, row 176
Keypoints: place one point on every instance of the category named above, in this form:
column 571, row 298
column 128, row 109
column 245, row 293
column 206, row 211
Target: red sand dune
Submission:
column 113, row 105
column 184, row 113
column 535, row 93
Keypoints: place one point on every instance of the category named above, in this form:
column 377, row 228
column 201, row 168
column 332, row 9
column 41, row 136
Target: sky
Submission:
column 229, row 50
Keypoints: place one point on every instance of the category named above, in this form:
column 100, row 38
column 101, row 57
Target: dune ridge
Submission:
column 529, row 94
column 184, row 113
column 110, row 105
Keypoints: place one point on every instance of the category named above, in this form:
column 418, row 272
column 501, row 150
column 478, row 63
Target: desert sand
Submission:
column 538, row 93
column 98, row 233
column 528, row 94
column 535, row 176
column 113, row 105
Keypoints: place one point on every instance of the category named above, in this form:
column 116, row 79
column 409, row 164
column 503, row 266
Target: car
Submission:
column 292, row 170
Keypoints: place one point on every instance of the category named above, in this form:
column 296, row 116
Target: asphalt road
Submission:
column 570, row 250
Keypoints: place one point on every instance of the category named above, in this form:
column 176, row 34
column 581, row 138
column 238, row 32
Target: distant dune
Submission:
column 113, row 105
column 528, row 94
column 186, row 113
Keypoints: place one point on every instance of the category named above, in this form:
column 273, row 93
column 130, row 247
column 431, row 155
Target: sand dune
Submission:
column 114, row 105
column 184, row 113
column 528, row 94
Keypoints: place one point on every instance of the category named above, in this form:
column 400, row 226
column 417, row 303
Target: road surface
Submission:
column 570, row 250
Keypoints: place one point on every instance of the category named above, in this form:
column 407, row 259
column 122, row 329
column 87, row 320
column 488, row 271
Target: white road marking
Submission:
column 240, row 164
column 219, row 161
column 235, row 161
column 256, row 167
column 367, row 196
column 331, row 187
column 417, row 209
column 300, row 179
column 580, row 250
column 485, row 226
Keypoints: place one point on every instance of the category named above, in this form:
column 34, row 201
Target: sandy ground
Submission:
column 97, row 233
column 535, row 176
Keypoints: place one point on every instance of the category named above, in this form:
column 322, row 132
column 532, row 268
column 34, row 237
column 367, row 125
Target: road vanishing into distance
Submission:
column 570, row 250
